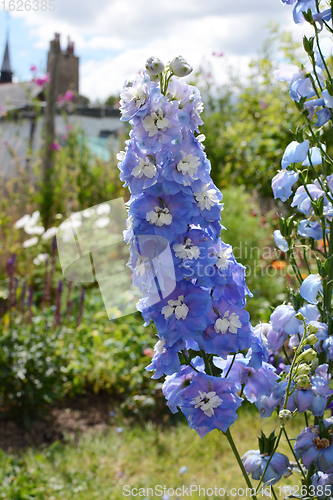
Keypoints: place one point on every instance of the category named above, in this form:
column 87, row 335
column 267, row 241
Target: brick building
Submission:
column 68, row 66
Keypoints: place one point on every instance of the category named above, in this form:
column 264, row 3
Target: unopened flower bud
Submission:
column 303, row 381
column 154, row 78
column 303, row 369
column 154, row 66
column 311, row 339
column 299, row 316
column 285, row 416
column 308, row 355
column 312, row 328
column 180, row 67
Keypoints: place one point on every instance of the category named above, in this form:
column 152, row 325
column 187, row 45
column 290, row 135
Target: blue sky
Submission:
column 113, row 38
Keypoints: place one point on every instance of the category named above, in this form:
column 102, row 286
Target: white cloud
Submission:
column 131, row 31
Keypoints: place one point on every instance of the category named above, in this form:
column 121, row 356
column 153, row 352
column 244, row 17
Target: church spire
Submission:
column 6, row 70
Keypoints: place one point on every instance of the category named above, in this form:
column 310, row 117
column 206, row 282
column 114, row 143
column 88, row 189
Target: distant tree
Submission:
column 247, row 125
column 112, row 100
column 84, row 100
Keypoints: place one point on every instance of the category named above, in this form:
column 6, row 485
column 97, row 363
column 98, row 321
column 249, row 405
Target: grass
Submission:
column 98, row 467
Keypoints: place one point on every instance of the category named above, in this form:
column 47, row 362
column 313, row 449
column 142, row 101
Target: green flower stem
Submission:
column 207, row 361
column 301, row 175
column 232, row 362
column 317, row 78
column 328, row 27
column 293, row 364
column 329, row 284
column 239, row 460
column 305, row 259
column 293, row 452
column 293, row 263
column 319, row 144
column 188, row 362
column 274, row 494
column 286, row 355
column 167, row 82
column 326, row 191
column 323, row 227
column 321, row 54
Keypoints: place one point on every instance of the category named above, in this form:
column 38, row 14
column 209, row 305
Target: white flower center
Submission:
column 155, row 122
column 186, row 251
column 176, row 307
column 206, row 198
column 134, row 93
column 229, row 322
column 141, row 267
column 207, row 401
column 138, row 96
column 146, row 168
column 159, row 216
column 188, row 165
column 159, row 346
column 223, row 255
column 121, row 157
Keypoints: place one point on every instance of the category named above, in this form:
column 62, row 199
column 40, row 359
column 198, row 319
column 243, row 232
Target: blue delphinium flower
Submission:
column 311, row 287
column 314, row 446
column 323, row 116
column 174, row 384
column 197, row 301
column 325, row 15
column 136, row 96
column 267, row 404
column 228, row 283
column 302, row 200
column 255, row 382
column 295, row 153
column 166, row 360
column 190, row 104
column 183, row 314
column 280, row 241
column 309, row 229
column 166, row 216
column 300, row 7
column 283, row 323
column 312, row 106
column 258, row 351
column 312, row 398
column 282, row 184
column 210, row 403
column 323, row 484
column 315, row 157
column 193, row 254
column 300, row 85
column 188, row 165
column 228, row 329
column 138, row 170
column 303, row 6
column 255, row 463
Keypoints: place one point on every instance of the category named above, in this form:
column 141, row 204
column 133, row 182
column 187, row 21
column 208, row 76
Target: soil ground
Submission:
column 68, row 419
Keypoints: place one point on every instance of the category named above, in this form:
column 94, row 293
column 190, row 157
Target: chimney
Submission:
column 68, row 69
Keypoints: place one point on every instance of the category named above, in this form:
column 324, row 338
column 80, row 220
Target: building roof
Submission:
column 15, row 95
column 6, row 61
